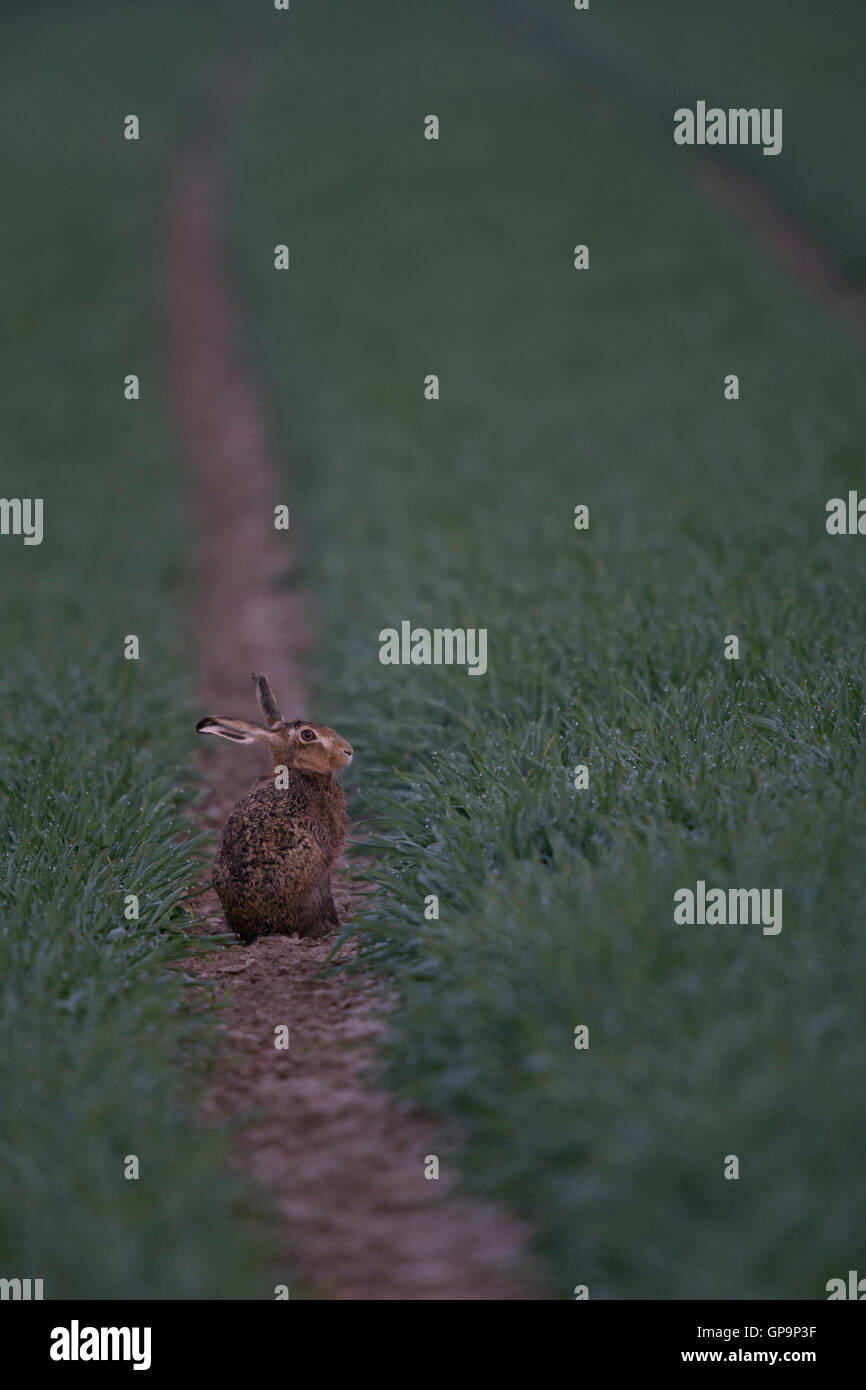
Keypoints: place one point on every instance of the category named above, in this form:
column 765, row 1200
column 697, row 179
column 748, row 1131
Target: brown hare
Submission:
column 272, row 871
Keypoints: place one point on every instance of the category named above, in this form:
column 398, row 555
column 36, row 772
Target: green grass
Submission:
column 100, row 1054
column 707, row 518
column 790, row 54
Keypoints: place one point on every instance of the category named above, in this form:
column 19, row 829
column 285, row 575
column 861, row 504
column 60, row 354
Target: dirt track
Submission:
column 343, row 1165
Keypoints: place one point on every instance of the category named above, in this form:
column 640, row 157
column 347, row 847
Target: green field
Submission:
column 790, row 54
column 606, row 647
column 100, row 1057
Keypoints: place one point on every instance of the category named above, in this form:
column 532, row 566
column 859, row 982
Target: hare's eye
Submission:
column 307, row 735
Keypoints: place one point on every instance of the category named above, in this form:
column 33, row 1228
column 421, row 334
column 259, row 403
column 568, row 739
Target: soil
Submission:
column 341, row 1162
column 784, row 238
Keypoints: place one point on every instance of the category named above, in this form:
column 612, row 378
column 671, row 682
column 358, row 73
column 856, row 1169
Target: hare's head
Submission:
column 299, row 745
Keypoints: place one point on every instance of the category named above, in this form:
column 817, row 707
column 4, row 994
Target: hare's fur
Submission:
column 272, row 871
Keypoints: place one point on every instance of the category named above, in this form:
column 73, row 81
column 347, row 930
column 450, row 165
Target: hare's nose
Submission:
column 348, row 754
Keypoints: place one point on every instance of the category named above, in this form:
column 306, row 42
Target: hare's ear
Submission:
column 238, row 730
column 267, row 703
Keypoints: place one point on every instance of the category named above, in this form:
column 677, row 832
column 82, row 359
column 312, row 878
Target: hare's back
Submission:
column 268, row 832
column 279, row 814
